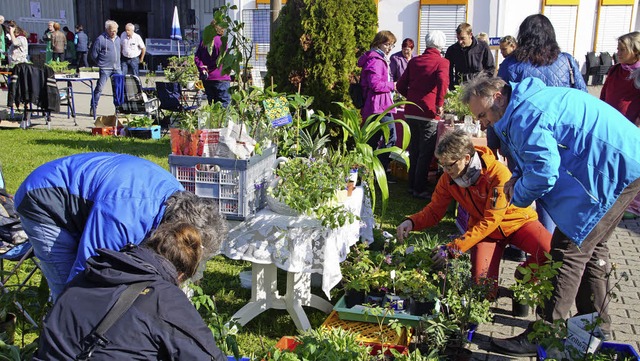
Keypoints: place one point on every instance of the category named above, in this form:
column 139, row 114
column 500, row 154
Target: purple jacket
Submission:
column 376, row 84
column 207, row 61
column 398, row 64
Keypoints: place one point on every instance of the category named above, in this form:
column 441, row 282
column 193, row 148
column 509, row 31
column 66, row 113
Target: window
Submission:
column 613, row 21
column 564, row 19
column 440, row 17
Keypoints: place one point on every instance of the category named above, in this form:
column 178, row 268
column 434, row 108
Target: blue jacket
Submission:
column 554, row 74
column 106, row 199
column 573, row 151
column 160, row 325
column 106, row 52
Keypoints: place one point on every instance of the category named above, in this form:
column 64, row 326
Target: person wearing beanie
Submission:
column 425, row 83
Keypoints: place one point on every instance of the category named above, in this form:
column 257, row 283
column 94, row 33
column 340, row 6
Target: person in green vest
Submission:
column 48, row 35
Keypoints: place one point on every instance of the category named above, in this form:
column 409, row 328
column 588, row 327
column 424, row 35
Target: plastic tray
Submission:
column 619, row 347
column 239, row 186
column 357, row 313
column 369, row 332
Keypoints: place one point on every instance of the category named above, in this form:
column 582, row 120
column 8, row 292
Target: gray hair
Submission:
column 110, row 23
column 455, row 144
column 129, row 26
column 482, row 86
column 203, row 214
column 435, row 39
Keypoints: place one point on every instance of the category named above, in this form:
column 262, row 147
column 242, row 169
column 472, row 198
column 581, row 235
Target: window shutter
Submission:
column 440, row 17
column 564, row 20
column 613, row 21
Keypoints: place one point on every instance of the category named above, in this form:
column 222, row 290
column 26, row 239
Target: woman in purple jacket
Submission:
column 377, row 87
column 216, row 84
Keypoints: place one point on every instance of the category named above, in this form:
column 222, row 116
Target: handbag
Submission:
column 572, row 78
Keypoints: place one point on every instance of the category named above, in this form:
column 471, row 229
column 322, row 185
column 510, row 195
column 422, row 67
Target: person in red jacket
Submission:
column 424, row 82
column 475, row 179
column 621, row 90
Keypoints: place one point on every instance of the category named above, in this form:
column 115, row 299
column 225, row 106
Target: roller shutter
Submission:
column 613, row 21
column 445, row 18
column 564, row 20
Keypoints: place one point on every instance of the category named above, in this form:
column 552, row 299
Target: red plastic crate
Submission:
column 105, row 131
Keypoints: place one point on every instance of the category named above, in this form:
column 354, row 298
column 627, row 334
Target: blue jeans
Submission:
column 56, row 249
column 130, row 63
column 217, row 91
column 97, row 91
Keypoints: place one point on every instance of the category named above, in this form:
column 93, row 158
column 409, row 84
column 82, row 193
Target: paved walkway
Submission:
column 624, row 247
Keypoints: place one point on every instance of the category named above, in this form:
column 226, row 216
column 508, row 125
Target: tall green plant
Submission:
column 316, row 45
column 366, row 156
column 237, row 49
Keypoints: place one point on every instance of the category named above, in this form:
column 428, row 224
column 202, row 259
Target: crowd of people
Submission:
column 551, row 148
column 556, row 141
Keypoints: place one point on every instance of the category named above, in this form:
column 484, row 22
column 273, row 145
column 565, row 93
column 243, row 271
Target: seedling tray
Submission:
column 357, row 313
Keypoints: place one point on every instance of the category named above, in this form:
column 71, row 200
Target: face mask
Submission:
column 472, row 173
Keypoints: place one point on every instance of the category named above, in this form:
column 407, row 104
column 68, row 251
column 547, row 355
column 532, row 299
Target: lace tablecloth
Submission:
column 301, row 243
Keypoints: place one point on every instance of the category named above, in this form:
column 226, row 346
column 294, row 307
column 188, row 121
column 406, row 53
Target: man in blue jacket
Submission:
column 72, row 206
column 105, row 51
column 579, row 158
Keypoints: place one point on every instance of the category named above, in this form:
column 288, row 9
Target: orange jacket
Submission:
column 485, row 202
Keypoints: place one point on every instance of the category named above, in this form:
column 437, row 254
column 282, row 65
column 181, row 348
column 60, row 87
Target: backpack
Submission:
column 357, row 94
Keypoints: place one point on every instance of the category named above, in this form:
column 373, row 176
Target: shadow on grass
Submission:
column 138, row 147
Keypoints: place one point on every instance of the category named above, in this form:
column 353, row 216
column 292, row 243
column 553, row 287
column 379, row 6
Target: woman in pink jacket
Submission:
column 377, row 87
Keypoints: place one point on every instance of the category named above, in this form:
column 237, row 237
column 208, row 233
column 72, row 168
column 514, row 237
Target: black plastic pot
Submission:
column 519, row 309
column 353, row 297
column 418, row 308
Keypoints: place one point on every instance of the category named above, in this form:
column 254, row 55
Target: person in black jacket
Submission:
column 468, row 57
column 160, row 325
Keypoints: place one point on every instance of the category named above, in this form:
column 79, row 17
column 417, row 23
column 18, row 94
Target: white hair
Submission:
column 435, row 39
column 129, row 26
column 109, row 24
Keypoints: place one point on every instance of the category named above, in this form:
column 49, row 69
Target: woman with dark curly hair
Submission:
column 538, row 55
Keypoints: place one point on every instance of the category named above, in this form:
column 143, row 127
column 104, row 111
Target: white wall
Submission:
column 400, row 17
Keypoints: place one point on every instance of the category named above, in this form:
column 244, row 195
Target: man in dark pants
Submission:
column 468, row 57
column 578, row 156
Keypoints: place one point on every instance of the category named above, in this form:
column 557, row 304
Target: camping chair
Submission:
column 129, row 98
column 172, row 100
column 13, row 280
column 36, row 89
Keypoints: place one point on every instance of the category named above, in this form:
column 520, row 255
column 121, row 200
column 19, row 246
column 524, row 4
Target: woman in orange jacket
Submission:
column 475, row 179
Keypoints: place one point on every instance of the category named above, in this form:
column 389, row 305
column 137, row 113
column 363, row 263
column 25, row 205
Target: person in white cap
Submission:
column 424, row 82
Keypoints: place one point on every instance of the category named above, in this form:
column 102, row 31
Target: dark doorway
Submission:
column 135, row 17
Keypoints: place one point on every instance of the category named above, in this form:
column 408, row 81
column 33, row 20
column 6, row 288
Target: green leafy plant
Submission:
column 237, row 49
column 139, row 121
column 453, row 103
column 323, row 344
column 417, row 284
column 60, row 67
column 357, row 267
column 362, row 152
column 225, row 333
column 181, row 70
column 309, row 185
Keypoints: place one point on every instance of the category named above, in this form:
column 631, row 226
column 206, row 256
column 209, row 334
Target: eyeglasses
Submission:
column 390, row 45
column 448, row 166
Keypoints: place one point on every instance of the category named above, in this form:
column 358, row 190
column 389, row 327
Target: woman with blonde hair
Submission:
column 621, row 89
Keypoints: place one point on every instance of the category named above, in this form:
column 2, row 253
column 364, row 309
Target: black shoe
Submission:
column 514, row 254
column 90, row 111
column 515, row 346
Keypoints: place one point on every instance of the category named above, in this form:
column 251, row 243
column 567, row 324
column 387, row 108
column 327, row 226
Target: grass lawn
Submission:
column 22, row 151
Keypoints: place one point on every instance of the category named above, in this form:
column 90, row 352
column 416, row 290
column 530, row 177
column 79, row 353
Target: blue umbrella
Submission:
column 176, row 33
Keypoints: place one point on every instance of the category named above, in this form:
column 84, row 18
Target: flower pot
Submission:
column 418, row 308
column 457, row 353
column 353, row 297
column 8, row 327
column 374, row 298
column 518, row 309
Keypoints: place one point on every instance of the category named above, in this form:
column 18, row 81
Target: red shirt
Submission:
column 619, row 92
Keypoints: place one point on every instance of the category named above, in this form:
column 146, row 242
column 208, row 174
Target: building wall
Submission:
column 50, row 10
column 401, row 18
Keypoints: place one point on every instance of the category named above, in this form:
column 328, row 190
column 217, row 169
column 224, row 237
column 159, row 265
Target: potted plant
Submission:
column 141, row 126
column 310, row 186
column 420, row 287
column 60, row 67
column 182, row 70
column 359, row 133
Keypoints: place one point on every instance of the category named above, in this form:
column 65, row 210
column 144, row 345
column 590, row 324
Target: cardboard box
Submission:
column 105, row 121
column 105, row 131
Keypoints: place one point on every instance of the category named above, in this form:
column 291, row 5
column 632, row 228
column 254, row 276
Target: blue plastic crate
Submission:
column 152, row 132
column 618, row 347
